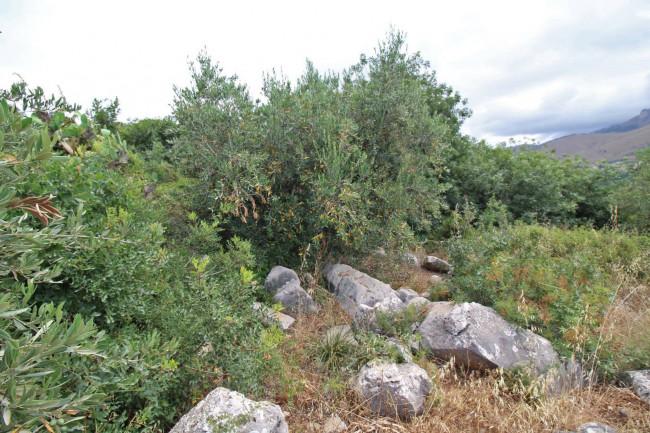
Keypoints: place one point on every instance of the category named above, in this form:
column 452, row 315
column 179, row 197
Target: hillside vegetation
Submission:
column 131, row 253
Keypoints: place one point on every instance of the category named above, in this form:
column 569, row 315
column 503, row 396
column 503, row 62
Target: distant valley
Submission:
column 612, row 143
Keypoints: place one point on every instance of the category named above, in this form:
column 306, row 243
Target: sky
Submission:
column 529, row 69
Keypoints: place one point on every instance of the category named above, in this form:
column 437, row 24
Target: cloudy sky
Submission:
column 538, row 69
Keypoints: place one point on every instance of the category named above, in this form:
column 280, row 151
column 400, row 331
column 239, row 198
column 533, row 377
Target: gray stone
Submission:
column 435, row 279
column 278, row 277
column 379, row 251
column 639, row 381
column 365, row 319
column 275, row 316
column 406, row 294
column 595, row 427
column 353, row 288
column 285, row 286
column 477, row 337
column 562, row 378
column 420, row 303
column 435, row 264
column 411, row 259
column 295, row 299
column 401, row 348
column 341, row 332
column 334, row 424
column 390, row 389
column 230, row 411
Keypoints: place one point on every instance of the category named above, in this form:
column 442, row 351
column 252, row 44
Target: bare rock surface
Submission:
column 230, row 411
column 405, row 294
column 397, row 390
column 274, row 316
column 477, row 337
column 285, row 286
column 353, row 288
column 639, row 381
column 435, row 264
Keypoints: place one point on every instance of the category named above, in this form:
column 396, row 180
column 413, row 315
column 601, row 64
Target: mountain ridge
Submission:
column 612, row 143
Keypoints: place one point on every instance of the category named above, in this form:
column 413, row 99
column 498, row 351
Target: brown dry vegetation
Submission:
column 461, row 401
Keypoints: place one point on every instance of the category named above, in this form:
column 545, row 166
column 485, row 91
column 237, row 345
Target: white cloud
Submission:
column 535, row 68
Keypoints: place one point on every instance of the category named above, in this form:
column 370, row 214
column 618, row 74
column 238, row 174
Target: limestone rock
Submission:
column 225, row 410
column 278, row 277
column 353, row 288
column 334, row 424
column 435, row 264
column 435, row 279
column 411, row 259
column 477, row 337
column 566, row 377
column 639, row 381
column 393, row 389
column 419, row 302
column 401, row 348
column 274, row 316
column 341, row 332
column 285, row 285
column 406, row 294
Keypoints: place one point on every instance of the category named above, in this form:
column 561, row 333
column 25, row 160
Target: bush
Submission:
column 328, row 164
column 556, row 282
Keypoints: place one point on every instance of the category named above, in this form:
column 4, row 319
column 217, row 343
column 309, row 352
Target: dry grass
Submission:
column 460, row 402
column 474, row 402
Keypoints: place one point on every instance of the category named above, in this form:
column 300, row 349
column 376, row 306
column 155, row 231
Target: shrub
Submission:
column 330, row 163
column 556, row 282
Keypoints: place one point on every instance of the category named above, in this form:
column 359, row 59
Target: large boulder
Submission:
column 477, row 337
column 353, row 288
column 285, row 286
column 390, row 389
column 435, row 264
column 639, row 381
column 230, row 411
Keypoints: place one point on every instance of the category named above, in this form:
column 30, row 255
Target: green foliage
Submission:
column 534, row 186
column 556, row 282
column 633, row 196
column 326, row 164
column 143, row 133
column 104, row 113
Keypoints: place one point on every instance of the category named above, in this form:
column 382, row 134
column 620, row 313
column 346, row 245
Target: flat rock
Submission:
column 435, row 264
column 397, row 390
column 230, row 411
column 353, row 288
column 639, row 381
column 477, row 337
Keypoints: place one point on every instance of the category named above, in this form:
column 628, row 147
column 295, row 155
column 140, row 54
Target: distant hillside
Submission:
column 612, row 143
column 643, row 119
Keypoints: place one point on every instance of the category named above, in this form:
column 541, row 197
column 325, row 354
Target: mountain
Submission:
column 643, row 119
column 612, row 143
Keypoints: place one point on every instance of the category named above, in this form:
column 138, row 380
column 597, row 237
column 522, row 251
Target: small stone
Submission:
column 233, row 412
column 393, row 389
column 406, row 294
column 334, row 424
column 435, row 264
column 341, row 332
column 435, row 279
column 639, row 381
column 596, row 427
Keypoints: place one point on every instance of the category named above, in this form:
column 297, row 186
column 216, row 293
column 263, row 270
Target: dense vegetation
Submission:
column 122, row 311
